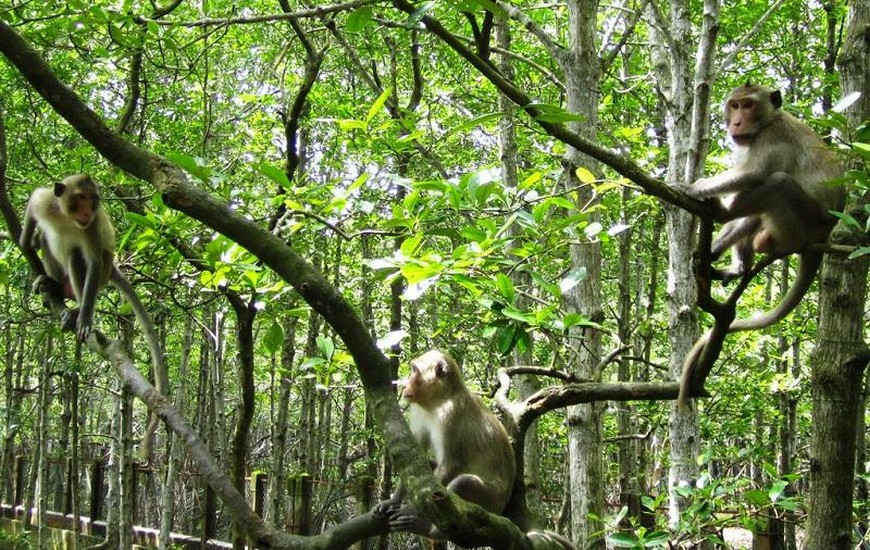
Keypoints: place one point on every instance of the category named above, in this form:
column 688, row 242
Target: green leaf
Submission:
column 377, row 105
column 777, row 490
column 474, row 123
column 517, row 315
column 622, row 540
column 415, row 273
column 473, row 233
column 505, row 287
column 348, row 125
column 326, row 347
column 274, row 338
column 584, row 175
column 275, row 174
column 410, row 245
column 141, row 220
column 656, row 539
column 506, row 338
column 357, row 183
column 789, row 504
column 359, row 19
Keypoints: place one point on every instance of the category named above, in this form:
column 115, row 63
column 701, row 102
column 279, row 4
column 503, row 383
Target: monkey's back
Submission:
column 806, row 157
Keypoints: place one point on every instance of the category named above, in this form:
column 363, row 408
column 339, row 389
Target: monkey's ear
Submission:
column 441, row 368
column 748, row 84
column 776, row 98
column 59, row 188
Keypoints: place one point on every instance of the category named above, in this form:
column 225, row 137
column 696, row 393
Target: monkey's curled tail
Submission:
column 161, row 380
column 810, row 260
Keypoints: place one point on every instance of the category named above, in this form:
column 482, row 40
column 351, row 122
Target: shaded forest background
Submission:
column 335, row 189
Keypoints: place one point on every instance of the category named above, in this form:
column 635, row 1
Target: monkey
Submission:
column 472, row 453
column 78, row 247
column 77, row 240
column 777, row 200
column 471, row 449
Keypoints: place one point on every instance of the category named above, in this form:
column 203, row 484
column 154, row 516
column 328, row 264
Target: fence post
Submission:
column 20, row 480
column 98, row 475
column 258, row 490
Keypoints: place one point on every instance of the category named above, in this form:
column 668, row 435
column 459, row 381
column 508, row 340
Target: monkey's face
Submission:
column 749, row 109
column 82, row 207
column 743, row 117
column 416, row 384
column 430, row 378
column 79, row 198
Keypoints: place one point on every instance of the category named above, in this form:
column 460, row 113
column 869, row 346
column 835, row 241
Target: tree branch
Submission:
column 620, row 164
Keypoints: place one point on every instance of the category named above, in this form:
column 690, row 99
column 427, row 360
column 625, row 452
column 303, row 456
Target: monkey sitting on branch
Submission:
column 472, row 453
column 777, row 200
column 78, row 248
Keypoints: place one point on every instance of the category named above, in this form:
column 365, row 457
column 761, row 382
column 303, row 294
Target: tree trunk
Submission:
column 173, row 462
column 685, row 116
column 841, row 356
column 581, row 67
column 245, row 314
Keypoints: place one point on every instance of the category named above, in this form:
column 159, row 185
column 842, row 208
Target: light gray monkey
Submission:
column 777, row 198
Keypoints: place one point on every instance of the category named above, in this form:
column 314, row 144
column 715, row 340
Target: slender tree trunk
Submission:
column 841, row 356
column 526, row 385
column 125, row 471
column 13, row 363
column 40, row 462
column 630, row 476
column 245, row 314
column 581, row 67
column 174, row 444
column 684, row 120
column 275, row 513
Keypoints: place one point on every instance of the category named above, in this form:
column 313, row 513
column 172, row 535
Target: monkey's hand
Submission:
column 407, row 519
column 83, row 328
column 385, row 510
column 69, row 320
column 692, row 191
column 44, row 283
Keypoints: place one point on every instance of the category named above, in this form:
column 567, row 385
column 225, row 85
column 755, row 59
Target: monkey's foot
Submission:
column 413, row 523
column 69, row 320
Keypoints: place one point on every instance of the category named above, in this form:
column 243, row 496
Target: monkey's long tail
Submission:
column 689, row 368
column 810, row 260
column 161, row 381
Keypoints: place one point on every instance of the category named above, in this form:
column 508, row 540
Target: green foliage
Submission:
column 14, row 541
column 400, row 188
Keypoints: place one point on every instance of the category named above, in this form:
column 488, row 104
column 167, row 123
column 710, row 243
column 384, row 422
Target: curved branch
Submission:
column 620, row 164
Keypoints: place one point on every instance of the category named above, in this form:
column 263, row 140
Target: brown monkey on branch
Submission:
column 777, row 199
column 78, row 248
column 471, row 449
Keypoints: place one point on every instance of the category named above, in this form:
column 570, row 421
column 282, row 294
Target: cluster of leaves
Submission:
column 715, row 503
